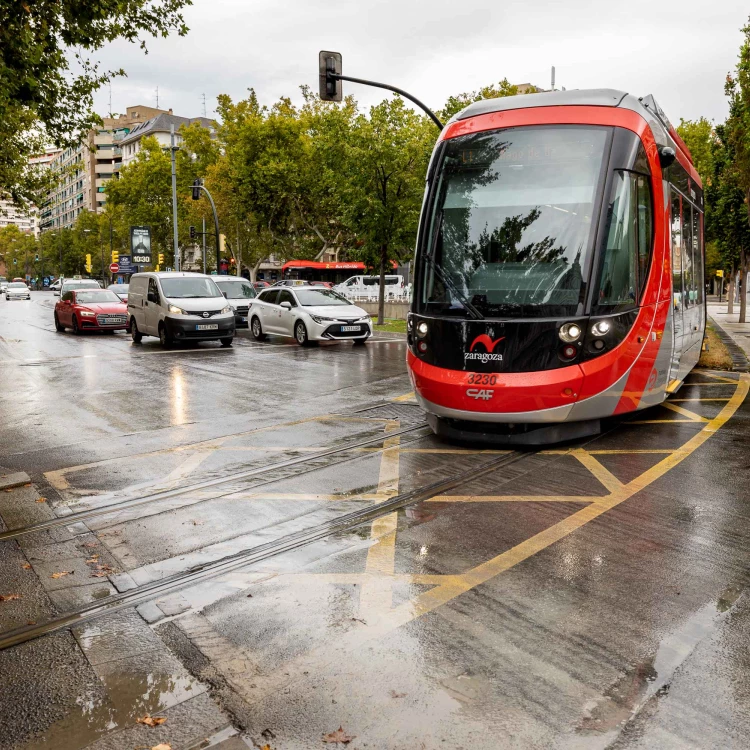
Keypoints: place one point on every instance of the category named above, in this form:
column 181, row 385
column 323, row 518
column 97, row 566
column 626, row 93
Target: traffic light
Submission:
column 193, row 233
column 115, row 256
column 331, row 89
column 197, row 189
column 15, row 261
column 161, row 258
column 36, row 258
column 88, row 262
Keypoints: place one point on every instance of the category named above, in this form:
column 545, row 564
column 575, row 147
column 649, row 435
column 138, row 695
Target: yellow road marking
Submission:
column 675, row 400
column 377, row 593
column 662, row 421
column 405, row 397
column 512, row 499
column 722, row 378
column 685, row 412
column 604, row 475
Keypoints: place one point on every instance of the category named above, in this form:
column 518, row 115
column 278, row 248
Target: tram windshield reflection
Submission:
column 510, row 227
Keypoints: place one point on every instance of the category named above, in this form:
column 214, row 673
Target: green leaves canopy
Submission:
column 41, row 100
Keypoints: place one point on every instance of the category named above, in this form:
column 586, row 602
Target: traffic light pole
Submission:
column 204, row 246
column 197, row 187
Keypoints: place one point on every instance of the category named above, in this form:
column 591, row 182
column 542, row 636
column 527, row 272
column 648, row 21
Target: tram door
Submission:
column 678, row 292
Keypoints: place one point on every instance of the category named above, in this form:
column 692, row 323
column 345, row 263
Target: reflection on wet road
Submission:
column 587, row 595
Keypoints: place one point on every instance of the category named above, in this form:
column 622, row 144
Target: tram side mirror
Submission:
column 667, row 156
column 331, row 89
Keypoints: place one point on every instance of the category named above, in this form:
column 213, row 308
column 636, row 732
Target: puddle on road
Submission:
column 130, row 694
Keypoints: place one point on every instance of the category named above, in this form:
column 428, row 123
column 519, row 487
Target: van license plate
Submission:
column 350, row 329
column 208, row 327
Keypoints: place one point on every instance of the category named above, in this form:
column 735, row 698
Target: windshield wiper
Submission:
column 448, row 281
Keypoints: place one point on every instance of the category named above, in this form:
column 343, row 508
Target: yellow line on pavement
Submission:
column 685, row 412
column 513, row 499
column 405, row 397
column 604, row 475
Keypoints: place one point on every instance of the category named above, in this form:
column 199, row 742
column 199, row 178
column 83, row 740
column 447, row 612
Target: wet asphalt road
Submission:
column 589, row 595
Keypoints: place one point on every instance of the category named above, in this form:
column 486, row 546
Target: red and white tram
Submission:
column 559, row 267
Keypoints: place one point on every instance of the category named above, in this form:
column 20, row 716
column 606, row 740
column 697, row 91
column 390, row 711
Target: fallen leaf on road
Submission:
column 151, row 721
column 92, row 559
column 41, row 499
column 62, row 574
column 28, row 484
column 100, row 574
column 162, row 746
column 394, row 694
column 9, row 597
column 91, row 544
column 339, row 736
column 10, row 490
column 266, row 747
column 26, row 566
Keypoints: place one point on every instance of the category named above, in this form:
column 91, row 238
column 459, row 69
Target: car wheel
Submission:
column 58, row 327
column 76, row 329
column 227, row 341
column 300, row 333
column 135, row 334
column 164, row 338
column 258, row 334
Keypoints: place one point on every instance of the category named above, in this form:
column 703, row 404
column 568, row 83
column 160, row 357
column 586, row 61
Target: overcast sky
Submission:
column 678, row 51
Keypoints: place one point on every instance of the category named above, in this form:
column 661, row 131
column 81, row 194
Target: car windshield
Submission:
column 16, row 285
column 119, row 288
column 71, row 287
column 184, row 287
column 236, row 289
column 314, row 297
column 96, row 296
column 510, row 228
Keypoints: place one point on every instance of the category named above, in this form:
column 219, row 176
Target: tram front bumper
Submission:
column 546, row 396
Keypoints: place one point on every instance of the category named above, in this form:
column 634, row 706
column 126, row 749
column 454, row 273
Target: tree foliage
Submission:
column 45, row 99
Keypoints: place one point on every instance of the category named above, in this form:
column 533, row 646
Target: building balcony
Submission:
column 103, row 139
column 102, row 168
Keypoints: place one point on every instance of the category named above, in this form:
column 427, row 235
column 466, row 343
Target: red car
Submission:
column 91, row 310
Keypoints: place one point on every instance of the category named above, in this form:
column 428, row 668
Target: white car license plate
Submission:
column 350, row 329
column 208, row 327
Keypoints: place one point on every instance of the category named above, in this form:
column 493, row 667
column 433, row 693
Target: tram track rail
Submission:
column 255, row 554
column 155, row 497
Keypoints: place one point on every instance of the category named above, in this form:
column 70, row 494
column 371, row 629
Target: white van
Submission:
column 369, row 287
column 178, row 307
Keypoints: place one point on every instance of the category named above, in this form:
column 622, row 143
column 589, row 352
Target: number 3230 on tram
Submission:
column 559, row 267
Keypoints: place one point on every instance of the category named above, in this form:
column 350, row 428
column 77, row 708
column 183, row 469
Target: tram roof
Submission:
column 645, row 106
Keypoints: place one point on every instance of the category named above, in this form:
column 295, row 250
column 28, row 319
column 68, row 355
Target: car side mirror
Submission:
column 286, row 305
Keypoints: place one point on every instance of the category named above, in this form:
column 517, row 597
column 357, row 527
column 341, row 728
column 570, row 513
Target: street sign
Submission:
column 114, row 267
column 720, row 274
column 125, row 264
column 140, row 245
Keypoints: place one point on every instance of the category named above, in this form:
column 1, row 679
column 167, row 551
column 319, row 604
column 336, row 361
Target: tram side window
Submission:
column 698, row 257
column 687, row 256
column 676, row 252
column 628, row 241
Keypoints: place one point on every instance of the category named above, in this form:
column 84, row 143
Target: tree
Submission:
column 457, row 103
column 388, row 156
column 737, row 137
column 40, row 98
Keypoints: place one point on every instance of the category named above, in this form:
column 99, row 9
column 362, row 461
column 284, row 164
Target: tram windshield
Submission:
column 511, row 223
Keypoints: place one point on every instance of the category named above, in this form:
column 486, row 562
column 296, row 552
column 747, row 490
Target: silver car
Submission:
column 17, row 290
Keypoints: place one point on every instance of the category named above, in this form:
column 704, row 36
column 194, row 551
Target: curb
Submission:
column 17, row 479
column 740, row 361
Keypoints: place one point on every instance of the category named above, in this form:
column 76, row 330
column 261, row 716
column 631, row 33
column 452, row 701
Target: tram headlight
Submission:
column 422, row 329
column 570, row 332
column 601, row 328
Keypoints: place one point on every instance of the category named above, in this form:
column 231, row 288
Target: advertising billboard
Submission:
column 140, row 245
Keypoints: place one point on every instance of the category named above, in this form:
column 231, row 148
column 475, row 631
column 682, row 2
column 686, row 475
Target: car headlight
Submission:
column 176, row 310
column 88, row 314
column 227, row 309
column 319, row 319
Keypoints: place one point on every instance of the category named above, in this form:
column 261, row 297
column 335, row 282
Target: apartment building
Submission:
column 85, row 170
column 26, row 220
column 159, row 127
